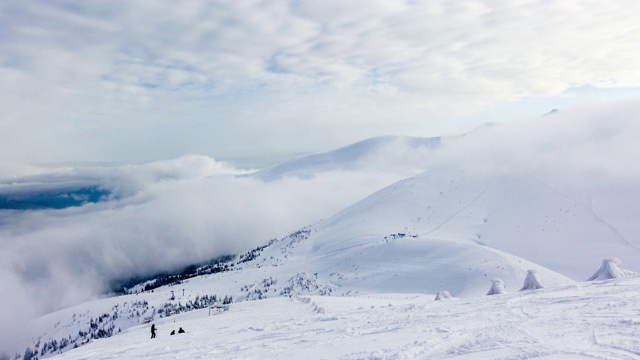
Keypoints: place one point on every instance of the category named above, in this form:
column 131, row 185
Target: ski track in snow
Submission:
column 461, row 210
column 589, row 208
column 598, row 320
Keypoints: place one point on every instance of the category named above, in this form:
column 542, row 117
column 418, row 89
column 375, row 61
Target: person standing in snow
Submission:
column 153, row 331
column 180, row 331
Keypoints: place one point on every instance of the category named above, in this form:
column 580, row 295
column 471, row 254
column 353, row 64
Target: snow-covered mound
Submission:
column 369, row 263
column 497, row 287
column 378, row 152
column 368, row 248
column 532, row 281
column 443, row 295
column 610, row 270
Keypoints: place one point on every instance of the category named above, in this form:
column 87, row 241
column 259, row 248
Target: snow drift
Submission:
column 610, row 270
column 532, row 281
column 497, row 287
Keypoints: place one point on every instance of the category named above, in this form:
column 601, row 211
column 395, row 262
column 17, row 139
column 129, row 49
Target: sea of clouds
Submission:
column 159, row 216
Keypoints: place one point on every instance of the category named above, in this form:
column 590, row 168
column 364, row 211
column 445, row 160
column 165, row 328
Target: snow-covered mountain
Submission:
column 513, row 212
column 455, row 214
column 422, row 235
column 380, row 153
column 361, row 298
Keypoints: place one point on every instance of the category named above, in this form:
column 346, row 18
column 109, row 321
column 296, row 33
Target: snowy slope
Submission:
column 331, row 261
column 511, row 211
column 540, row 200
column 582, row 321
column 549, row 196
column 444, row 229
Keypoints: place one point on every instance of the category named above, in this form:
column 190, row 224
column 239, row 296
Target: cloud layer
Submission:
column 153, row 80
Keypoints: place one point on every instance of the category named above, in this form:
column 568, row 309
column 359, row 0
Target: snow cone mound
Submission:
column 497, row 287
column 532, row 281
column 610, row 270
column 443, row 295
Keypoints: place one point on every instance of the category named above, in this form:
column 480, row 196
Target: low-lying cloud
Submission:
column 161, row 216
column 595, row 140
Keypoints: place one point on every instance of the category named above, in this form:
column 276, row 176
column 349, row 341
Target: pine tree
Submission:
column 29, row 354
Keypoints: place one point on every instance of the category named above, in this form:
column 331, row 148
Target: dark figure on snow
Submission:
column 173, row 332
column 180, row 331
column 153, row 331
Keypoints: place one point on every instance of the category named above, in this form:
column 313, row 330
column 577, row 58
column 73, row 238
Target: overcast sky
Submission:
column 145, row 80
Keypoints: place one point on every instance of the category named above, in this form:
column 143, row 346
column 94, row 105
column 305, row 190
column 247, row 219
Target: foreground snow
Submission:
column 587, row 320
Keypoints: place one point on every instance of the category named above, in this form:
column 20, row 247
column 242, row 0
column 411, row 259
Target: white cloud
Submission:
column 170, row 214
column 76, row 76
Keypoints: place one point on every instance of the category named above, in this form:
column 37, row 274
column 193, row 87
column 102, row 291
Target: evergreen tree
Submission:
column 29, row 354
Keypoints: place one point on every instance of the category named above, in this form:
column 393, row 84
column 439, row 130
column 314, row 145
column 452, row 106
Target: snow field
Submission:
column 583, row 321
